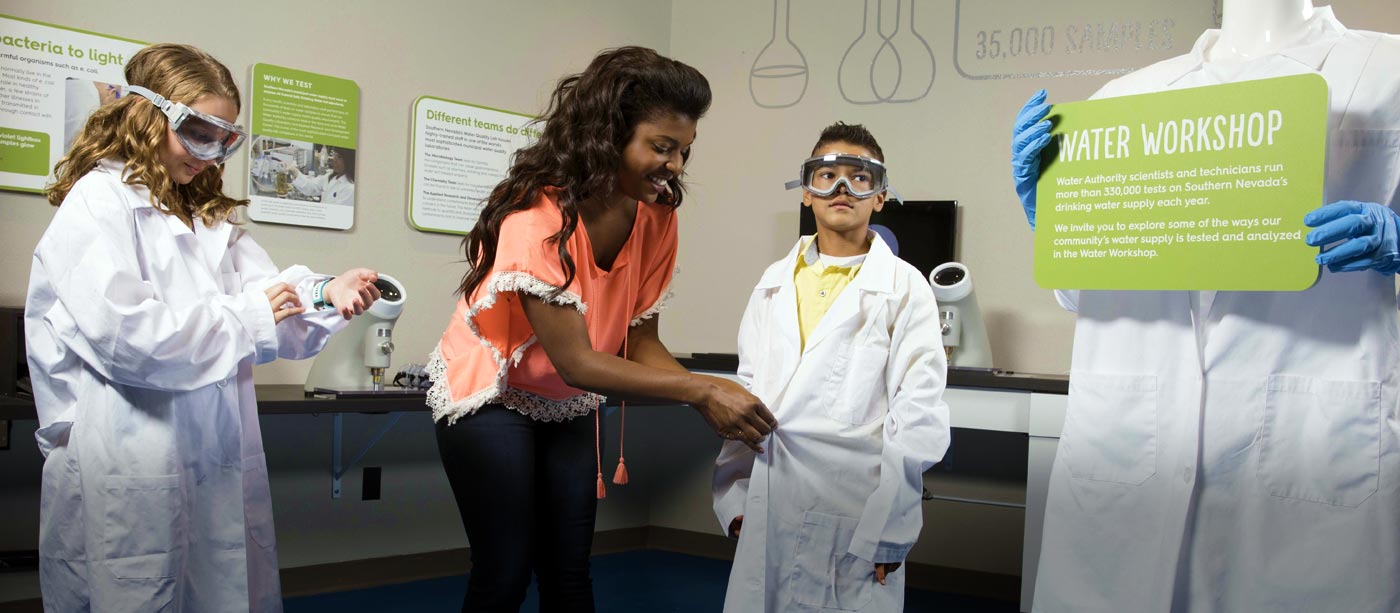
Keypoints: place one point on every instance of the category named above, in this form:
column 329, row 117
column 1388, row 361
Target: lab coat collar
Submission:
column 1324, row 30
column 117, row 168
column 877, row 273
column 776, row 275
column 214, row 241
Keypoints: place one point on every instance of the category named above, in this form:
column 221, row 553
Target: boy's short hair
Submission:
column 855, row 134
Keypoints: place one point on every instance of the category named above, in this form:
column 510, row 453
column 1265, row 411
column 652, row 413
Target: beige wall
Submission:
column 500, row 54
column 952, row 144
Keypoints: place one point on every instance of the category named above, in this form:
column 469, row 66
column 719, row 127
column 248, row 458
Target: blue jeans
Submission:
column 526, row 490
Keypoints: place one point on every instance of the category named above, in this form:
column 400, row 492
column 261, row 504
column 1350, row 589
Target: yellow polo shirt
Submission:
column 820, row 279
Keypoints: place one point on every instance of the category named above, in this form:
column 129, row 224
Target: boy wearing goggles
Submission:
column 841, row 341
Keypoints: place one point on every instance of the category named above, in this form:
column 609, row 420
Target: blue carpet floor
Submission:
column 634, row 581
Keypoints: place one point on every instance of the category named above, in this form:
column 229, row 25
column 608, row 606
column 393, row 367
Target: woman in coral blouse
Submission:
column 571, row 262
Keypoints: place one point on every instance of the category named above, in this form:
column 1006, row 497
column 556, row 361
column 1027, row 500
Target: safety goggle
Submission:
column 204, row 136
column 862, row 176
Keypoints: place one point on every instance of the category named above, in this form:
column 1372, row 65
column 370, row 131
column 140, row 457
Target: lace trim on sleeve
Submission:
column 661, row 303
column 440, row 396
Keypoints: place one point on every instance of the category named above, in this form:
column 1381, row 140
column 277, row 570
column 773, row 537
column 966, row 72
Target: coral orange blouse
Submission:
column 488, row 352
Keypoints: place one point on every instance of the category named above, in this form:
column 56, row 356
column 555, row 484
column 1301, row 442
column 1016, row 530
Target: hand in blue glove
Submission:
column 1028, row 137
column 1369, row 232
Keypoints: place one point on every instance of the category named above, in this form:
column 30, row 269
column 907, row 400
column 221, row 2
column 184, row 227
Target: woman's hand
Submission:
column 284, row 301
column 736, row 525
column 352, row 291
column 735, row 414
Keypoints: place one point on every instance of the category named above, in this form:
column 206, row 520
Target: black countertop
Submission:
column 957, row 377
column 293, row 400
column 272, row 400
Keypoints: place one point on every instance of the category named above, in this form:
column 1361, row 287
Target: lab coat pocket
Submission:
column 1364, row 165
column 825, row 575
column 141, row 525
column 1320, row 440
column 856, row 385
column 1111, row 428
column 257, row 502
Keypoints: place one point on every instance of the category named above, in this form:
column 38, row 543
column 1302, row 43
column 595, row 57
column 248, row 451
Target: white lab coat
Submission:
column 337, row 190
column 1237, row 451
column 861, row 417
column 141, row 337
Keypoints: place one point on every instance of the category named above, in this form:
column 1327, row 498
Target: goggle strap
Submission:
column 793, row 184
column 169, row 107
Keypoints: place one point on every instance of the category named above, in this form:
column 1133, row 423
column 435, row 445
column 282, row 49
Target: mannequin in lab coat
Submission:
column 1237, row 451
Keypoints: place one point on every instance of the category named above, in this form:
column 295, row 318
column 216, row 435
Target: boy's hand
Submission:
column 735, row 526
column 885, row 568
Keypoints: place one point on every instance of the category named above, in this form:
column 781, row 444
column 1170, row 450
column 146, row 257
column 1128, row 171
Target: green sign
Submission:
column 24, row 152
column 52, row 78
column 305, row 106
column 1193, row 189
column 302, row 154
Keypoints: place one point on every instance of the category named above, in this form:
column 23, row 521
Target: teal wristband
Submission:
column 319, row 301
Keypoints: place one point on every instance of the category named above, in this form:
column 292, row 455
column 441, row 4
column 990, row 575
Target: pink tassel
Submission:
column 602, row 490
column 620, row 477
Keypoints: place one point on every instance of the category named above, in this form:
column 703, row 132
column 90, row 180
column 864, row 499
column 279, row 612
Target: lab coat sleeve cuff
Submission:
column 309, row 332
column 729, row 506
column 889, row 554
column 878, row 552
column 257, row 314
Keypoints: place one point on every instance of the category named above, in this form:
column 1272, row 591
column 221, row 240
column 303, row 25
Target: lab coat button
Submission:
column 222, row 383
column 1187, row 473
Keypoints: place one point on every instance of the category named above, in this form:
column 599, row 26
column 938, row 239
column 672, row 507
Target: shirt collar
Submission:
column 876, row 271
column 811, row 255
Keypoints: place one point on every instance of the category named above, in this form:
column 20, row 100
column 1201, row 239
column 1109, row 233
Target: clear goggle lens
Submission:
column 824, row 175
column 204, row 136
column 207, row 140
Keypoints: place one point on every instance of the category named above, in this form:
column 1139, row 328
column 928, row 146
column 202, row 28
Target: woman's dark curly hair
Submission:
column 589, row 121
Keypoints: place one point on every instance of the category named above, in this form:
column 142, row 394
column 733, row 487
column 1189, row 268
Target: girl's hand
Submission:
column 736, row 525
column 284, row 301
column 735, row 414
column 352, row 291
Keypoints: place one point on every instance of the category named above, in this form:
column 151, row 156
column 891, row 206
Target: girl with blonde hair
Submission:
column 147, row 309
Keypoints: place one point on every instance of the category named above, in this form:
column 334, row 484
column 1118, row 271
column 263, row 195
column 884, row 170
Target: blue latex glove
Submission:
column 1028, row 137
column 1369, row 232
